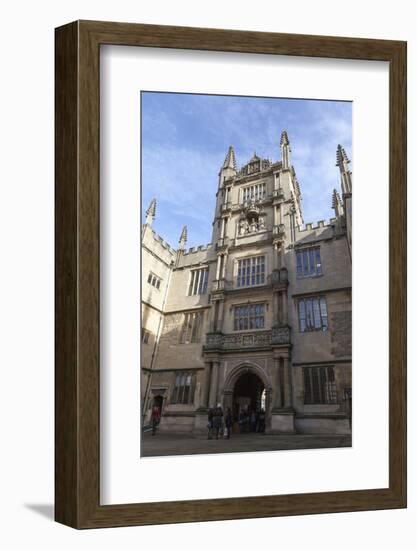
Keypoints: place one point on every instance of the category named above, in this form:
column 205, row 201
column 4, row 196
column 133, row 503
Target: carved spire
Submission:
column 183, row 238
column 284, row 138
column 285, row 150
column 297, row 186
column 342, row 162
column 341, row 158
column 151, row 212
column 230, row 160
column 337, row 204
column 228, row 170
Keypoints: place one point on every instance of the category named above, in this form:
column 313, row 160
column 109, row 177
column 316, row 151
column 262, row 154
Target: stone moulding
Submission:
column 279, row 277
column 243, row 340
column 238, row 340
column 279, row 230
column 280, row 335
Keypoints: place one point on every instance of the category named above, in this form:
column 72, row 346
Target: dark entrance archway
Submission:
column 248, row 400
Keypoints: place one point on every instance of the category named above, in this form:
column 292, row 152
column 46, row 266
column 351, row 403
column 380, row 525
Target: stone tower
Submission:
column 261, row 316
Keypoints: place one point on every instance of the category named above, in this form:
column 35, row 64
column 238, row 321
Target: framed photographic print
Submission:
column 230, row 274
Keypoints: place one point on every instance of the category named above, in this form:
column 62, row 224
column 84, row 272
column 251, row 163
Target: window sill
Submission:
column 315, row 406
column 248, row 286
column 303, row 277
column 245, row 330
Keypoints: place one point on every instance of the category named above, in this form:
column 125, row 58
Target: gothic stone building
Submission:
column 259, row 317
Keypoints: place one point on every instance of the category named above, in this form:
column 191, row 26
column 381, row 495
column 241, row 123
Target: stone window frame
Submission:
column 300, row 267
column 197, row 286
column 249, row 317
column 154, row 280
column 244, row 189
column 307, row 321
column 250, row 258
column 191, row 328
column 319, row 385
column 183, row 391
column 145, row 336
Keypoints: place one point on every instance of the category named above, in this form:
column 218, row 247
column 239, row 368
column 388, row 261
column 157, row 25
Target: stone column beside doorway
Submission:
column 282, row 414
column 214, row 384
column 201, row 418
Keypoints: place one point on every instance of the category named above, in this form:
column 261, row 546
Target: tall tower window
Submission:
column 251, row 271
column 253, row 192
column 249, row 317
column 309, row 263
column 191, row 328
column 198, row 281
column 312, row 314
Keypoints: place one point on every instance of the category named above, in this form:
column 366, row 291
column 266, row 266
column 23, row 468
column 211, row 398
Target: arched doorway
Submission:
column 248, row 401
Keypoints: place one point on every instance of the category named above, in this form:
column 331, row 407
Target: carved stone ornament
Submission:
column 281, row 335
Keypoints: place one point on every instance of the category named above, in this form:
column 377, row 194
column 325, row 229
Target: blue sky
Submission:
column 185, row 138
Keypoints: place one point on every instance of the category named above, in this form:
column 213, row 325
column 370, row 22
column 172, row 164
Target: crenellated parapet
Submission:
column 321, row 230
column 196, row 249
column 318, row 225
column 155, row 242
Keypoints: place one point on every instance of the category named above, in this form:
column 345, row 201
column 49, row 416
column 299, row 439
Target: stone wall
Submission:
column 171, row 353
column 341, row 333
column 151, row 321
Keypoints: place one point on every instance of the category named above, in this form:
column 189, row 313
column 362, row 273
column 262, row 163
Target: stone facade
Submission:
column 260, row 317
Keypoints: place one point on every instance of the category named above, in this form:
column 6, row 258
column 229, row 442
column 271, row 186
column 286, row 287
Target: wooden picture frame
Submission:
column 77, row 405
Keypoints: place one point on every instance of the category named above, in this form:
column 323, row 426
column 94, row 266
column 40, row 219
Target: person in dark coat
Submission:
column 155, row 418
column 253, row 421
column 210, row 424
column 217, row 420
column 228, row 421
column 262, row 421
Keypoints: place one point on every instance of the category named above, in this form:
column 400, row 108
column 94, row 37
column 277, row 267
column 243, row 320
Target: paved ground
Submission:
column 163, row 444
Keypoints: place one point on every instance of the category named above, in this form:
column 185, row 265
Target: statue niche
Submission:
column 252, row 220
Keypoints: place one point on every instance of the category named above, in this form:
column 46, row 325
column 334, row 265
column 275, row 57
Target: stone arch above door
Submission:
column 242, row 368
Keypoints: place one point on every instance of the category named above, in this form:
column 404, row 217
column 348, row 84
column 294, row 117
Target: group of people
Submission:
column 220, row 424
column 251, row 420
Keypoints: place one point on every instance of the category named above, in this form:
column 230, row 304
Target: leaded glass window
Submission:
column 249, row 317
column 319, row 385
column 183, row 391
column 253, row 192
column 308, row 262
column 251, row 271
column 312, row 314
column 191, row 328
column 198, row 281
column 154, row 281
